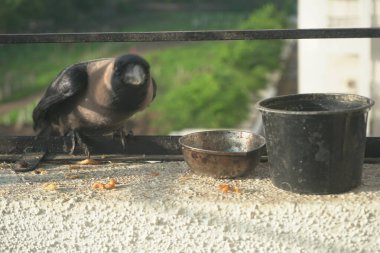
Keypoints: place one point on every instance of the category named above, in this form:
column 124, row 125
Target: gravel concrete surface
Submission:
column 163, row 207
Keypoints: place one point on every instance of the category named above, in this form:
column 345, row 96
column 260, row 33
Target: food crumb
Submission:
column 110, row 185
column 113, row 181
column 50, row 186
column 88, row 162
column 237, row 189
column 98, row 185
column 225, row 188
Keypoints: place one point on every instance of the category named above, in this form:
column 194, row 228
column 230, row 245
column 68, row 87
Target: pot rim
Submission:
column 364, row 107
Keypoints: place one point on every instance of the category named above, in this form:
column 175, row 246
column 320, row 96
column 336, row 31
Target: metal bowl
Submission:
column 222, row 153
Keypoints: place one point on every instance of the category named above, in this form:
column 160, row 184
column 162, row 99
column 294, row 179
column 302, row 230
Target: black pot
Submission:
column 316, row 142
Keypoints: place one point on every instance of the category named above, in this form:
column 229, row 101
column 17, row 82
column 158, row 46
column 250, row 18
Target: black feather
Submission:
column 71, row 82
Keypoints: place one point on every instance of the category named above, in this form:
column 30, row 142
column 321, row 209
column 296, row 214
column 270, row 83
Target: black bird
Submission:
column 95, row 97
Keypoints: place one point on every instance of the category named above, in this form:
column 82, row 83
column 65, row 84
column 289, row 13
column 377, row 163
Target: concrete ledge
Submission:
column 162, row 207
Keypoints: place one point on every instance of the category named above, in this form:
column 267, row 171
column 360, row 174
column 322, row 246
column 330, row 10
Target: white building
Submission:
column 341, row 65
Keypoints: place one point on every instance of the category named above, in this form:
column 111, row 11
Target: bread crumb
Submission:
column 98, row 185
column 237, row 189
column 110, row 185
column 113, row 181
column 88, row 162
column 225, row 188
column 50, row 186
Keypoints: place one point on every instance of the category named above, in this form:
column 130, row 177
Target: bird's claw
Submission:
column 123, row 137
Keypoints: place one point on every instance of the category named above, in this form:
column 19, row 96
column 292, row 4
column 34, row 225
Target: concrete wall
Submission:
column 161, row 207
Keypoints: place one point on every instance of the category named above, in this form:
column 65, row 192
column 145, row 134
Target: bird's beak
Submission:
column 134, row 74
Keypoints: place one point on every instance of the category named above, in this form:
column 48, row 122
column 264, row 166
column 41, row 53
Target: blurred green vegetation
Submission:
column 20, row 116
column 216, row 89
column 100, row 15
column 29, row 68
column 201, row 84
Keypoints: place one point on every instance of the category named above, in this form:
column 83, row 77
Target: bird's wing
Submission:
column 70, row 83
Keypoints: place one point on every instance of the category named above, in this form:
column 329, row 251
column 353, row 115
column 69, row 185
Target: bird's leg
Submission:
column 73, row 143
column 82, row 144
column 77, row 139
column 123, row 137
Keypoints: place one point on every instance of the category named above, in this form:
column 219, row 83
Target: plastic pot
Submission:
column 315, row 142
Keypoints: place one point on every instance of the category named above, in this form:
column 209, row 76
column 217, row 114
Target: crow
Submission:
column 95, row 98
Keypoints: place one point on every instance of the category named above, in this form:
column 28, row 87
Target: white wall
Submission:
column 339, row 65
column 321, row 62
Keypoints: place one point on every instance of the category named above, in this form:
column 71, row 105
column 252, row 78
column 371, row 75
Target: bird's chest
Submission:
column 90, row 112
column 104, row 107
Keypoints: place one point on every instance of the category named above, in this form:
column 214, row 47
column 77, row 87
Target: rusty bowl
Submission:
column 222, row 153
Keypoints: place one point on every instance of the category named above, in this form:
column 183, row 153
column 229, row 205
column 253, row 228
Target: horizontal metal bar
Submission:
column 98, row 145
column 140, row 145
column 190, row 35
column 65, row 158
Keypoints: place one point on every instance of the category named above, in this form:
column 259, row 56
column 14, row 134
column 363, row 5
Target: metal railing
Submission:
column 32, row 150
column 190, row 35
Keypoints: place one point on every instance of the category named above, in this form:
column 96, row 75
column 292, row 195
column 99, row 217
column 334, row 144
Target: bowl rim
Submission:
column 263, row 108
column 223, row 153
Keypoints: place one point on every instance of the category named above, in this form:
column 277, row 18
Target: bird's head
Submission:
column 131, row 70
column 132, row 86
